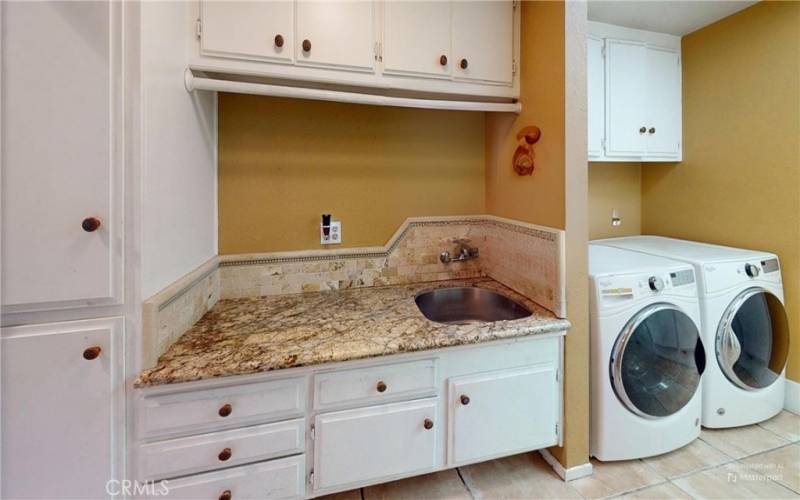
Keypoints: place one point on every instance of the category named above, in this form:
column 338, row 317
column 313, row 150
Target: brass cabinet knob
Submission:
column 306, row 45
column 652, row 130
column 443, row 60
column 91, row 224
column 226, row 495
column 464, row 399
column 92, row 352
column 464, row 63
column 642, row 130
column 225, row 454
column 279, row 40
column 381, row 386
column 428, row 424
column 225, row 410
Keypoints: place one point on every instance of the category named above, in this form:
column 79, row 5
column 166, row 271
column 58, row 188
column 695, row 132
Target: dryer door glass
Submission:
column 654, row 366
column 752, row 341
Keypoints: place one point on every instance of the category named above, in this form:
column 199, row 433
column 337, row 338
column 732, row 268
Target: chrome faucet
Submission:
column 464, row 253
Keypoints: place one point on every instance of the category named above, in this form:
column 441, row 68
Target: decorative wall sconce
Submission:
column 524, row 154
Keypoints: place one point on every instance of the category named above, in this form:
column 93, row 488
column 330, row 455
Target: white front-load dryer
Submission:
column 744, row 326
column 646, row 354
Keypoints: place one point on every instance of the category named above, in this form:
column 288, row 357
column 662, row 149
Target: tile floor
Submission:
column 756, row 462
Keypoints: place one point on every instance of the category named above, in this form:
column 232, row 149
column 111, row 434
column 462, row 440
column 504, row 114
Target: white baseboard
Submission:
column 792, row 401
column 576, row 472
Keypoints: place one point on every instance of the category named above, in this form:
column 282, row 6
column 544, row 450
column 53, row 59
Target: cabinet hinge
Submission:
column 513, row 66
column 514, row 4
column 198, row 29
column 313, row 431
column 603, row 51
column 558, row 375
column 603, row 143
column 556, row 428
column 378, row 51
column 311, row 477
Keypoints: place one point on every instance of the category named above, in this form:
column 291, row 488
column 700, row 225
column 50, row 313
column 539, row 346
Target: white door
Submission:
column 262, row 30
column 596, row 95
column 337, row 34
column 501, row 413
column 663, row 89
column 483, row 41
column 62, row 154
column 62, row 391
column 370, row 443
column 626, row 100
column 416, row 38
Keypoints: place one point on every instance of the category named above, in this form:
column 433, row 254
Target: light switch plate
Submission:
column 334, row 235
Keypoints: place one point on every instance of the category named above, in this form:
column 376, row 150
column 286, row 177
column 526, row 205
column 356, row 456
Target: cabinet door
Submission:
column 62, row 154
column 663, row 90
column 416, row 38
column 339, row 34
column 501, row 413
column 483, row 37
column 596, row 95
column 353, row 446
column 248, row 30
column 60, row 410
column 626, row 115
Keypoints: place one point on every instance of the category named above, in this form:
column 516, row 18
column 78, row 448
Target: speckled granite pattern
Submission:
column 241, row 336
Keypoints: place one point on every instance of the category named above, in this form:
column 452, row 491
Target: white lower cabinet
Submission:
column 370, row 443
column 62, row 398
column 501, row 413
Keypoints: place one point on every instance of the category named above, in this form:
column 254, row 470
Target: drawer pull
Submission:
column 91, row 224
column 279, row 44
column 652, row 130
column 381, row 386
column 225, row 454
column 92, row 352
column 464, row 64
column 464, row 399
column 642, row 130
column 226, row 495
column 225, row 410
column 443, row 60
column 306, row 45
column 428, row 424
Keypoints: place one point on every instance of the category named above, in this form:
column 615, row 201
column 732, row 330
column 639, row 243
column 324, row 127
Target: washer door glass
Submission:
column 753, row 339
column 655, row 367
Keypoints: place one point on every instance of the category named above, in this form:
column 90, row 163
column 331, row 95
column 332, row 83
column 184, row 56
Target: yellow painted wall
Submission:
column 284, row 162
column 739, row 183
column 615, row 185
column 541, row 198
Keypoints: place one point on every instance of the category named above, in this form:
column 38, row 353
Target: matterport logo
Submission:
column 128, row 488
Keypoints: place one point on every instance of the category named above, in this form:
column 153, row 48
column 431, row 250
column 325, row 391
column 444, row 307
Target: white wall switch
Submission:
column 334, row 236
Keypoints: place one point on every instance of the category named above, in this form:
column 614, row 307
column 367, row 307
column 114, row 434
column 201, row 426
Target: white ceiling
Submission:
column 676, row 17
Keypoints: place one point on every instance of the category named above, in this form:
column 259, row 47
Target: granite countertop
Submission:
column 241, row 336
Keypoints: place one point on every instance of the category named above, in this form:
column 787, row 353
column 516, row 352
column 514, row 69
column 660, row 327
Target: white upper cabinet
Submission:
column 62, row 117
column 483, row 40
column 416, row 38
column 337, row 34
column 596, row 96
column 634, row 94
column 248, row 30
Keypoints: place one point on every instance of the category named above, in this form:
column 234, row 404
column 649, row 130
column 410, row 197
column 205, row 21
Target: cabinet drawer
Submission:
column 182, row 456
column 273, row 480
column 353, row 446
column 223, row 407
column 502, row 412
column 375, row 384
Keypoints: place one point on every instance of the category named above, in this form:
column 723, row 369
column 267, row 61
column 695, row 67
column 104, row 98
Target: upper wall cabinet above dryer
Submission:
column 634, row 92
column 464, row 49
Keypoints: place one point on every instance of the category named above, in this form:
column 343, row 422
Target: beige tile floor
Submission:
column 755, row 462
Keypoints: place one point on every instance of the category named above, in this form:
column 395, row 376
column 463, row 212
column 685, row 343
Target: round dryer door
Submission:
column 657, row 361
column 752, row 341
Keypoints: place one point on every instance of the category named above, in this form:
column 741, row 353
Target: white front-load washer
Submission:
column 744, row 326
column 646, row 354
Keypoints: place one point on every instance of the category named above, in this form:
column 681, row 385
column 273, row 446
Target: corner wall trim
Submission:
column 570, row 474
column 792, row 401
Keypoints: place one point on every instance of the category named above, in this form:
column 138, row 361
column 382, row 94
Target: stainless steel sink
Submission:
column 462, row 306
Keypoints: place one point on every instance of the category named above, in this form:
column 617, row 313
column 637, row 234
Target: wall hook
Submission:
column 524, row 155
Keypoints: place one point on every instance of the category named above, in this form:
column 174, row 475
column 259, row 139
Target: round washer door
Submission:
column 752, row 340
column 657, row 361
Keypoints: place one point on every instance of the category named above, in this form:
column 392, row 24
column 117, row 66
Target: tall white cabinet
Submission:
column 634, row 94
column 61, row 119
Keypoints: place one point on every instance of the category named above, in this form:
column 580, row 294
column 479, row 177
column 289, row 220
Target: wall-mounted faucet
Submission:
column 464, row 253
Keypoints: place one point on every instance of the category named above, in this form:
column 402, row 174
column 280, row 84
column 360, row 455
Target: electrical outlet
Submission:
column 334, row 234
